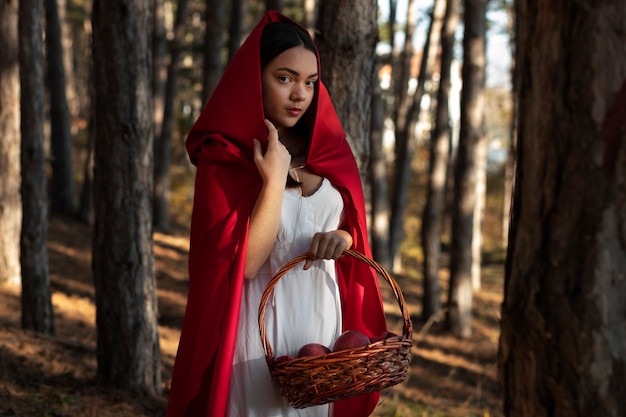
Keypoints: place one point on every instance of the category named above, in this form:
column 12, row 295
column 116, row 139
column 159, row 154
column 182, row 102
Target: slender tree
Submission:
column 459, row 318
column 237, row 27
column 438, row 167
column 562, row 350
column 159, row 65
column 123, row 261
column 379, row 223
column 163, row 143
column 274, row 5
column 310, row 16
column 37, row 312
column 406, row 121
column 63, row 184
column 214, row 17
column 10, row 202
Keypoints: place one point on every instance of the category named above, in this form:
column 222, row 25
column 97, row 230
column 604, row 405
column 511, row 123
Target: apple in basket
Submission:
column 350, row 339
column 284, row 358
column 313, row 349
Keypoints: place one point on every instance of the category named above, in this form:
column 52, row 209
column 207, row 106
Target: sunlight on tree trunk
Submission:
column 438, row 168
column 10, row 202
column 459, row 318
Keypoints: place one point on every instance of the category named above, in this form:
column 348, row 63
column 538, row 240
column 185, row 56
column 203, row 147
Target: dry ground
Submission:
column 54, row 376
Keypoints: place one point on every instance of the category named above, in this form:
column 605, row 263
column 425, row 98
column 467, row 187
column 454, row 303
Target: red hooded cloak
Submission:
column 227, row 185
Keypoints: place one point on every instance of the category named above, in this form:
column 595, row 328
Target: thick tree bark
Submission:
column 562, row 350
column 438, row 168
column 123, row 261
column 214, row 17
column 37, row 312
column 459, row 318
column 347, row 36
column 63, row 183
column 10, row 202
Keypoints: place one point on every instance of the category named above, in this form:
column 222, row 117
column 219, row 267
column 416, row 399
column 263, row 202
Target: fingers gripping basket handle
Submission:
column 407, row 328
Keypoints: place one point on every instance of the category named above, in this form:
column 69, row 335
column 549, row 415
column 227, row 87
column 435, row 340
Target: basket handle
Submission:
column 407, row 328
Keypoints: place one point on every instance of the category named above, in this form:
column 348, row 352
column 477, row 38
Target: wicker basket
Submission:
column 317, row 380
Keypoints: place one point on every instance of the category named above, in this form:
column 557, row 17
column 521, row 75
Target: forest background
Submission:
column 436, row 138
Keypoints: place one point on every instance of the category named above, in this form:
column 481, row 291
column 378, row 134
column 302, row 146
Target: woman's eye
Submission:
column 311, row 83
column 284, row 78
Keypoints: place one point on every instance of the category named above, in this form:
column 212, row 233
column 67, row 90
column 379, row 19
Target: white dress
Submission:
column 304, row 308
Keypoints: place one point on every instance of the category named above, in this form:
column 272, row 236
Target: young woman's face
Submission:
column 289, row 86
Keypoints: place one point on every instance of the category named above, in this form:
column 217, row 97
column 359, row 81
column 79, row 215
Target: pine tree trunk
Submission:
column 10, row 202
column 37, row 312
column 63, row 184
column 163, row 143
column 459, row 318
column 406, row 125
column 214, row 33
column 159, row 67
column 347, row 36
column 562, row 350
column 237, row 26
column 123, row 262
column 438, row 168
column 379, row 223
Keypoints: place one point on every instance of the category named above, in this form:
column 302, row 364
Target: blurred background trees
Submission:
column 427, row 93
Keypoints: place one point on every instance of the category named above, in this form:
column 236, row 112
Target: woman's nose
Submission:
column 298, row 93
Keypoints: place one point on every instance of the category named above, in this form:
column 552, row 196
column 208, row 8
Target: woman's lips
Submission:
column 294, row 111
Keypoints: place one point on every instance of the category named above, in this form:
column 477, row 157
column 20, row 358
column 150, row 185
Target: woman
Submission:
column 270, row 121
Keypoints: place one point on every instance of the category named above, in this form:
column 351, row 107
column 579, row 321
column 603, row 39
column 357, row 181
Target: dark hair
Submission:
column 277, row 37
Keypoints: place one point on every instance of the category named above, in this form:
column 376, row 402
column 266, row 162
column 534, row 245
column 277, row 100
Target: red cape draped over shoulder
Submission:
column 227, row 184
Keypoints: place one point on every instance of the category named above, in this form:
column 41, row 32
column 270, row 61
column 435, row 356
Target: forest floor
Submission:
column 54, row 376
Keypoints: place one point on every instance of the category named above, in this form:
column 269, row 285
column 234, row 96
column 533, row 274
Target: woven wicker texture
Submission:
column 317, row 380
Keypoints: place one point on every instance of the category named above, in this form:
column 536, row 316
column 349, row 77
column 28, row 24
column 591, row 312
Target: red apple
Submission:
column 350, row 339
column 313, row 349
column 284, row 358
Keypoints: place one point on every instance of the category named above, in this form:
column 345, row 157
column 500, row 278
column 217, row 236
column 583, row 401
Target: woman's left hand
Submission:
column 328, row 245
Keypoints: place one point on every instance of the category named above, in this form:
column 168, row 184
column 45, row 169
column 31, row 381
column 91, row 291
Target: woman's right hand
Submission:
column 273, row 165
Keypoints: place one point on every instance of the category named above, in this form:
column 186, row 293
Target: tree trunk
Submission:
column 459, row 318
column 562, row 350
column 63, row 184
column 310, row 16
column 347, row 37
column 406, row 122
column 274, row 5
column 238, row 15
column 163, row 144
column 159, row 67
column 438, row 168
column 37, row 312
column 123, row 261
column 480, row 157
column 379, row 223
column 214, row 34
column 403, row 153
column 10, row 202
column 509, row 165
